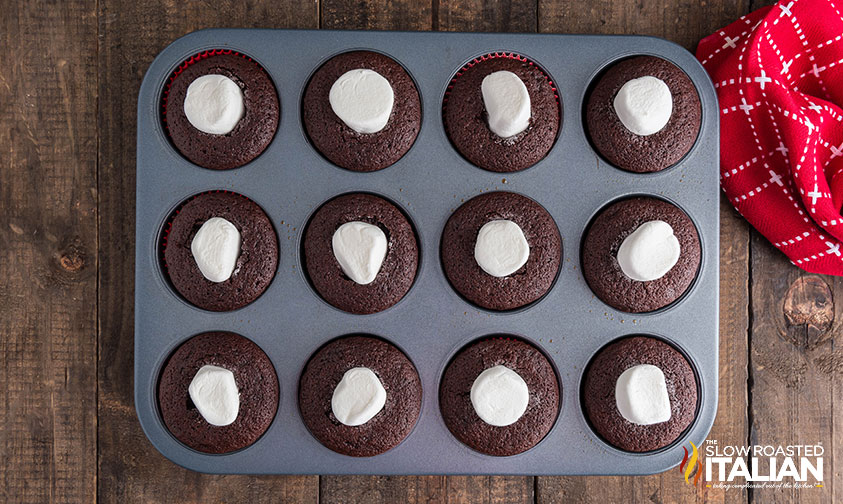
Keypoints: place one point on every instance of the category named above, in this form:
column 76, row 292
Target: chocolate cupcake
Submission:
column 639, row 394
column 360, row 253
column 640, row 254
column 501, row 250
column 499, row 396
column 218, row 392
column 360, row 396
column 220, row 109
column 361, row 110
column 220, row 251
column 643, row 114
column 501, row 112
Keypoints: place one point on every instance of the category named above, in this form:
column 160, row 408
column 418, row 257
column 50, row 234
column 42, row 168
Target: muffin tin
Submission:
column 290, row 180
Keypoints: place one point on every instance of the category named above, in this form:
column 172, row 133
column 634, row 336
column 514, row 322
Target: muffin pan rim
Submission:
column 548, row 457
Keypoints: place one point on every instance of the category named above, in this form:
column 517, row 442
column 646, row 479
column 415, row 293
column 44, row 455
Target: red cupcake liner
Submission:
column 503, row 54
column 183, row 66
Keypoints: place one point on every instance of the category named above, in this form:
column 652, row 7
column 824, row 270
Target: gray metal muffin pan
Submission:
column 290, row 321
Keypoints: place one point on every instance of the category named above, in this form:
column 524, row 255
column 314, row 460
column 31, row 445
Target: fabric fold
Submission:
column 778, row 73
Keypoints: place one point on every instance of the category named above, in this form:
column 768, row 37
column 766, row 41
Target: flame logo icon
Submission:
column 691, row 463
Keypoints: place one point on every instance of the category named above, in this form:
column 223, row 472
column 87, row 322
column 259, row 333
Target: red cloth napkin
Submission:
column 779, row 77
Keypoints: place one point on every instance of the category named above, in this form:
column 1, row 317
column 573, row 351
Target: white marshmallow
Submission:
column 501, row 248
column 499, row 396
column 641, row 395
column 644, row 105
column 362, row 99
column 649, row 252
column 215, row 249
column 359, row 396
column 215, row 394
column 360, row 248
column 507, row 103
column 214, row 104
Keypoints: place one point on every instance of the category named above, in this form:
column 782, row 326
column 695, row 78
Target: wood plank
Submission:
column 450, row 16
column 375, row 15
column 408, row 489
column 486, row 16
column 48, row 259
column 132, row 33
column 795, row 369
column 685, row 23
column 757, row 4
column 372, row 489
column 490, row 489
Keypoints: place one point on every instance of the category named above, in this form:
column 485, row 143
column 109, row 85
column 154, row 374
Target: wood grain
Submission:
column 684, row 22
column 375, row 15
column 48, row 251
column 486, row 16
column 794, row 368
column 69, row 77
column 131, row 34
column 407, row 489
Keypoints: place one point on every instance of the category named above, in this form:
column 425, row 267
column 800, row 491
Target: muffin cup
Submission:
column 603, row 274
column 625, row 150
column 398, row 375
column 270, row 263
column 339, row 143
column 256, row 379
column 531, row 428
column 253, row 132
column 630, row 430
column 323, row 272
column 465, row 119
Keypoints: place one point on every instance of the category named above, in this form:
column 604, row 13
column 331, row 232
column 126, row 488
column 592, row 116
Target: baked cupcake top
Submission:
column 640, row 254
column 360, row 253
column 501, row 112
column 360, row 396
column 221, row 109
column 643, row 114
column 639, row 394
column 361, row 110
column 220, row 251
column 218, row 392
column 501, row 250
column 499, row 396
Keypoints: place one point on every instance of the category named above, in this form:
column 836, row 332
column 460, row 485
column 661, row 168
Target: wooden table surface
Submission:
column 69, row 77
